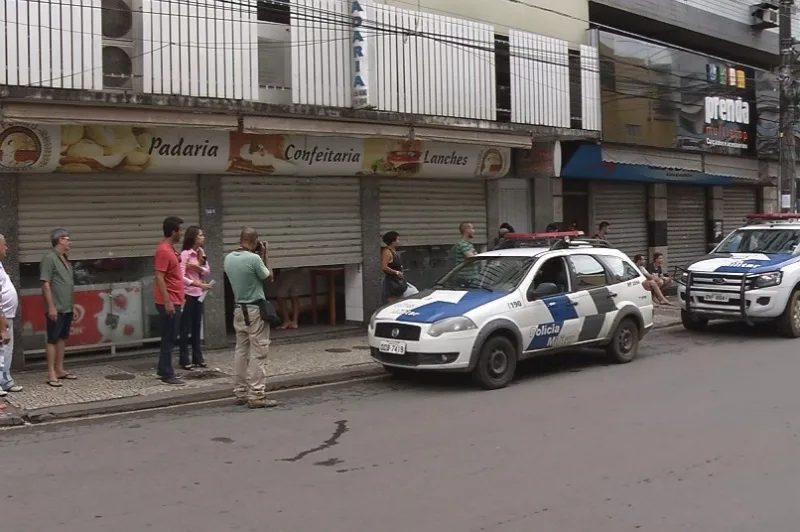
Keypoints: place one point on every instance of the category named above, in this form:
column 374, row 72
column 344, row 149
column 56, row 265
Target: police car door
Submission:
column 594, row 299
column 552, row 320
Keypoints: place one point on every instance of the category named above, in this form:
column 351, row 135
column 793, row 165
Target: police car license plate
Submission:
column 393, row 348
column 717, row 298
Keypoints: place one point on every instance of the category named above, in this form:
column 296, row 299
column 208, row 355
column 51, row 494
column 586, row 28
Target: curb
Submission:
column 181, row 397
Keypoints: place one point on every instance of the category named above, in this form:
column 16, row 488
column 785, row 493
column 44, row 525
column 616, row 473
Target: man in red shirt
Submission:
column 169, row 295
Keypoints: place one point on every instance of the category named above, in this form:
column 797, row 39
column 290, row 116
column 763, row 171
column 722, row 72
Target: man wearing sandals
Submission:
column 651, row 283
column 58, row 289
column 9, row 301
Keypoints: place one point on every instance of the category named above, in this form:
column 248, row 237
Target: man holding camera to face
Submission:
column 247, row 270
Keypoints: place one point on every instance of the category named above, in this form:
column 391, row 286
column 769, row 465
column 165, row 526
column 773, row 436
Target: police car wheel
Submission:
column 692, row 323
column 496, row 364
column 624, row 344
column 789, row 321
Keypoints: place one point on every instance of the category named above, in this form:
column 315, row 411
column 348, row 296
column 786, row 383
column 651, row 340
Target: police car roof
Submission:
column 772, row 225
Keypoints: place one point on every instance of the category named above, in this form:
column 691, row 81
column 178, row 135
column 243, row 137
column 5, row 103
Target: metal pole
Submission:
column 787, row 182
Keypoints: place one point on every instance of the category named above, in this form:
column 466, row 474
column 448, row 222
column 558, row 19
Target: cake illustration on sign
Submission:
column 258, row 154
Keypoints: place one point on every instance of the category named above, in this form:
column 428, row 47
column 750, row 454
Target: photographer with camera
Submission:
column 247, row 271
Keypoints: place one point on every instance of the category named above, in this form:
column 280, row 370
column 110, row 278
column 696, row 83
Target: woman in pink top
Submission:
column 195, row 269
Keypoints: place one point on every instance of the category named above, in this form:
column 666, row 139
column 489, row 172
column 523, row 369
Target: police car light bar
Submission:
column 542, row 236
column 773, row 216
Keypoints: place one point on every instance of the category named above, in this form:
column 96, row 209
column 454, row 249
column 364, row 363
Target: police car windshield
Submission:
column 783, row 241
column 491, row 274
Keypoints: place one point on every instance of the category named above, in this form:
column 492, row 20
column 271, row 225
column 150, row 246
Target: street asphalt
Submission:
column 702, row 433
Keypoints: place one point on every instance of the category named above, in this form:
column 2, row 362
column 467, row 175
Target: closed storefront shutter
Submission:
column 686, row 224
column 738, row 202
column 624, row 206
column 514, row 204
column 428, row 212
column 307, row 221
column 106, row 215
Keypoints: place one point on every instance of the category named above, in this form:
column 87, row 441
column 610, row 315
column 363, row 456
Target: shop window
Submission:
column 113, row 304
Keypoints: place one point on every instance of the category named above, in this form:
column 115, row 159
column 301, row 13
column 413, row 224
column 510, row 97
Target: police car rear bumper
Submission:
column 448, row 352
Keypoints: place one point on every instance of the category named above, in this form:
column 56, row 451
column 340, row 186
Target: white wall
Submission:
column 562, row 19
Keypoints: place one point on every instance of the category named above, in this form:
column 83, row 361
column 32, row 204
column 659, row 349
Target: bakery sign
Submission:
column 76, row 149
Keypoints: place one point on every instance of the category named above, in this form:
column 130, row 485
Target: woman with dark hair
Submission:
column 194, row 268
column 394, row 283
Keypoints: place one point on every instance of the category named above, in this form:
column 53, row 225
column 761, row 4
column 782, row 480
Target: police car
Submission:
column 548, row 292
column 753, row 275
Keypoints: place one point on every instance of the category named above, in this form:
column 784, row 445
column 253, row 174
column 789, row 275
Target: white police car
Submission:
column 506, row 305
column 753, row 275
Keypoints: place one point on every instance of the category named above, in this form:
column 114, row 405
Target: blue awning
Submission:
column 587, row 163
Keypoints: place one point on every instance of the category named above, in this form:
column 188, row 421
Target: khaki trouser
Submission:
column 252, row 347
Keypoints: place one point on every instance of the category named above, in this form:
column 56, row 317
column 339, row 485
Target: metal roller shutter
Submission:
column 624, row 206
column 686, row 224
column 106, row 215
column 428, row 212
column 514, row 203
column 738, row 202
column 307, row 221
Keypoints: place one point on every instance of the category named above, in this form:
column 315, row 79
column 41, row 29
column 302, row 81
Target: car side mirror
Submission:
column 543, row 290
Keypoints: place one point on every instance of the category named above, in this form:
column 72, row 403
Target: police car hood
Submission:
column 743, row 262
column 430, row 306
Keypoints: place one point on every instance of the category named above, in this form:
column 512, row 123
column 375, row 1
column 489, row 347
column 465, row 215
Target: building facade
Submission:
column 321, row 123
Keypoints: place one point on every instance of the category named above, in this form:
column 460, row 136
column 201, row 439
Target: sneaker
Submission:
column 16, row 388
column 262, row 403
column 173, row 380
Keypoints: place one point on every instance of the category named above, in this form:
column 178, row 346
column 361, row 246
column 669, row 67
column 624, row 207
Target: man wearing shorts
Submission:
column 290, row 281
column 58, row 289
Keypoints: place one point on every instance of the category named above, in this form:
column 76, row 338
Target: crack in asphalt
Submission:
column 341, row 428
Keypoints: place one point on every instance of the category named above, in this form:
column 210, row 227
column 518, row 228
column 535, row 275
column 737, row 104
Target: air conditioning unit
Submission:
column 765, row 15
column 122, row 37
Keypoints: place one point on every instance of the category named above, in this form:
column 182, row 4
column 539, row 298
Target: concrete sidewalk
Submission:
column 129, row 385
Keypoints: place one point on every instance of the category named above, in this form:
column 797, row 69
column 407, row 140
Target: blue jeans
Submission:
column 169, row 334
column 6, row 353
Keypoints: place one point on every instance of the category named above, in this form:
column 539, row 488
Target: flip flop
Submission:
column 68, row 377
column 54, row 384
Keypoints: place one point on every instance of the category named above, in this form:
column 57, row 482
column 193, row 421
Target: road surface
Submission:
column 701, row 433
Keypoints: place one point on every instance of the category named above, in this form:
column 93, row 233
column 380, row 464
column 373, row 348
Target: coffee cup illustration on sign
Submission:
column 87, row 149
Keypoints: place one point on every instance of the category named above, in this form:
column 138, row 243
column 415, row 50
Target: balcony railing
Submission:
column 312, row 52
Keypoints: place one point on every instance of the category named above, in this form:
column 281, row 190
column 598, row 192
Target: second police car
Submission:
column 503, row 306
column 753, row 275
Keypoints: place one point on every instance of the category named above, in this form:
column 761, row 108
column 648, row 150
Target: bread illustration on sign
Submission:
column 86, row 149
column 402, row 157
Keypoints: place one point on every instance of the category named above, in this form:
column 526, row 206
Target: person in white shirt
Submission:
column 9, row 301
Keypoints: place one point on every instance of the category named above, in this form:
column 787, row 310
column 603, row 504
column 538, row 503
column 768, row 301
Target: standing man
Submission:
column 464, row 248
column 602, row 231
column 58, row 289
column 9, row 300
column 247, row 271
column 169, row 296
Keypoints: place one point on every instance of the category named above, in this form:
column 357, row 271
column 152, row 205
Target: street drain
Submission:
column 203, row 375
column 338, row 350
column 120, row 377
column 361, row 347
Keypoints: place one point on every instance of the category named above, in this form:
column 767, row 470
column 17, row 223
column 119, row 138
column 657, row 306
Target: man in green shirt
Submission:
column 247, row 271
column 464, row 248
column 58, row 289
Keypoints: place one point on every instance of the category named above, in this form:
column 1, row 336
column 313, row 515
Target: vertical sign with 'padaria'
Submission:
column 363, row 61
